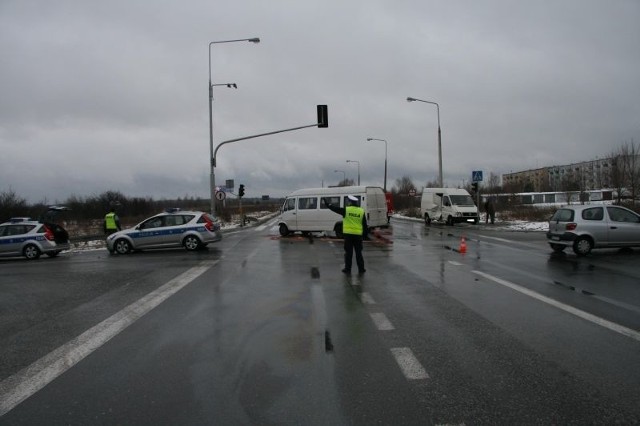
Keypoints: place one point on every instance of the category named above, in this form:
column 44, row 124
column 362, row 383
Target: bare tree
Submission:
column 618, row 171
column 400, row 191
column 633, row 169
column 11, row 205
column 346, row 182
column 432, row 184
column 403, row 185
column 493, row 183
column 569, row 184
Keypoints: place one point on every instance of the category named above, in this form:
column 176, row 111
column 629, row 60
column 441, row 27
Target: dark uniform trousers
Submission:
column 352, row 242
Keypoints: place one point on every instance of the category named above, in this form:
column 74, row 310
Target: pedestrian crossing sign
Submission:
column 476, row 176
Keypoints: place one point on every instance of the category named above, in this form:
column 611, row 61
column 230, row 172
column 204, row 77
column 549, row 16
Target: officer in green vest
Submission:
column 354, row 229
column 111, row 222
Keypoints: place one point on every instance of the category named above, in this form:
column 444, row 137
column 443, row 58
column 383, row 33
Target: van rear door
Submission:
column 376, row 207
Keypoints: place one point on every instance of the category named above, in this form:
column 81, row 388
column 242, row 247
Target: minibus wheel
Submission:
column 284, row 231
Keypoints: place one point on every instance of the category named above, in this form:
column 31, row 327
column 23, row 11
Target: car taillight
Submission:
column 571, row 226
column 48, row 234
column 208, row 224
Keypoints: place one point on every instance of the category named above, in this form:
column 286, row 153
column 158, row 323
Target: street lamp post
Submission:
column 439, row 136
column 212, row 181
column 344, row 176
column 385, row 160
column 354, row 161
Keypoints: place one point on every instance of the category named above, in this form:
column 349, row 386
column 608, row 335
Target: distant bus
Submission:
column 552, row 198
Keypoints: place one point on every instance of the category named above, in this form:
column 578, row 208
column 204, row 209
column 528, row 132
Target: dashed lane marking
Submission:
column 381, row 321
column 366, row 298
column 409, row 364
column 28, row 381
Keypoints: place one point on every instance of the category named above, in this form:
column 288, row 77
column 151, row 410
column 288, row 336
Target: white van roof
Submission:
column 338, row 190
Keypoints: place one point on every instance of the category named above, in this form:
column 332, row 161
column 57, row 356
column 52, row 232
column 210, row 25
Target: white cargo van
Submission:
column 450, row 205
column 304, row 211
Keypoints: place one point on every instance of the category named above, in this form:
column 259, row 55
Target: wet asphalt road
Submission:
column 259, row 329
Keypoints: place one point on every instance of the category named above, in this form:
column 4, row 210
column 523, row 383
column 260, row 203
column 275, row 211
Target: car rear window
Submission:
column 563, row 215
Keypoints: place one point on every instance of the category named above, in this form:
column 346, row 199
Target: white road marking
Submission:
column 453, row 262
column 29, row 380
column 570, row 309
column 498, row 239
column 270, row 224
column 381, row 321
column 366, row 298
column 409, row 364
column 504, row 240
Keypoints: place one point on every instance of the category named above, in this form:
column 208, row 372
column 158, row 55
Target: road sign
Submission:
column 220, row 195
column 476, row 176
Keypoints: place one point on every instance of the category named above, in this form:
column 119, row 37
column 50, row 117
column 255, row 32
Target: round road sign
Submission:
column 220, row 195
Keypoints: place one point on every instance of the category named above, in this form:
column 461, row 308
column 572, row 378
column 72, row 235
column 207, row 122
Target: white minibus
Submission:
column 304, row 210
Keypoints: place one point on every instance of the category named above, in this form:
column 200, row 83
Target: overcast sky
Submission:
column 112, row 95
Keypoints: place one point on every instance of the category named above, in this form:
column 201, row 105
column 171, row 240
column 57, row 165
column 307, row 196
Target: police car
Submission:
column 172, row 228
column 21, row 236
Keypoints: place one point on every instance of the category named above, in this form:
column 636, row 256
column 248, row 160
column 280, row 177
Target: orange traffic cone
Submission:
column 463, row 246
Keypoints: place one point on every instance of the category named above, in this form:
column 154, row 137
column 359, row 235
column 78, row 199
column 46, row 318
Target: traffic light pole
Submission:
column 323, row 121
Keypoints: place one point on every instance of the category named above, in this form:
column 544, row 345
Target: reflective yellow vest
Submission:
column 110, row 221
column 352, row 222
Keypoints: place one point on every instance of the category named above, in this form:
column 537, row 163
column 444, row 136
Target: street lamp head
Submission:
column 411, row 99
column 254, row 40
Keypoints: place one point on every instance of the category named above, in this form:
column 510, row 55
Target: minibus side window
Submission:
column 334, row 201
column 307, row 203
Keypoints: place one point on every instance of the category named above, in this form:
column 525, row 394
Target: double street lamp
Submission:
column 385, row 160
column 344, row 176
column 439, row 137
column 212, row 189
column 354, row 161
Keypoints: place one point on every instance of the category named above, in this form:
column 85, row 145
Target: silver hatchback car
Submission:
column 173, row 228
column 22, row 236
column 585, row 227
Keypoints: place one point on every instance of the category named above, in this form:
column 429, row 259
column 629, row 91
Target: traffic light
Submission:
column 323, row 116
column 474, row 186
column 241, row 191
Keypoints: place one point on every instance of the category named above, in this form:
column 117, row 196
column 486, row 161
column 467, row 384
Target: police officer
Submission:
column 111, row 222
column 354, row 229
